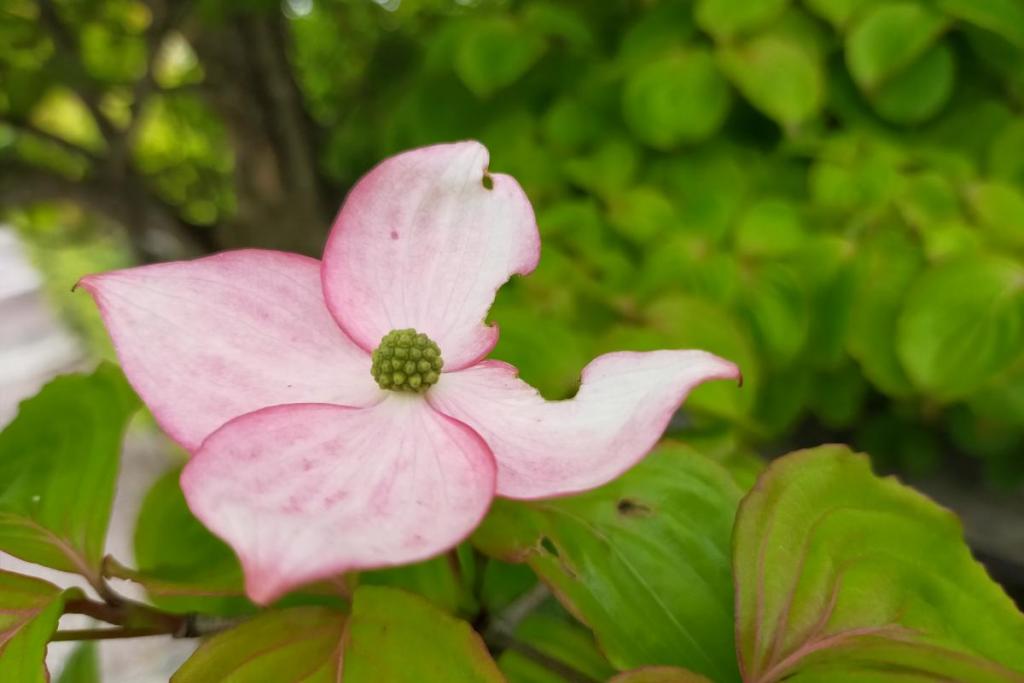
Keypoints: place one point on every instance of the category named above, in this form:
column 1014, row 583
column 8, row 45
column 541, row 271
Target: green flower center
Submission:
column 406, row 360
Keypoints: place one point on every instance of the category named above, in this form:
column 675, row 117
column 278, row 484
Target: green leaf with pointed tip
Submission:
column 605, row 554
column 58, row 469
column 182, row 566
column 843, row 576
column 889, row 39
column 29, row 610
column 727, row 18
column 1004, row 17
column 301, row 644
column 83, row 666
column 399, row 637
column 659, row 674
column 963, row 324
column 778, row 75
column 680, row 98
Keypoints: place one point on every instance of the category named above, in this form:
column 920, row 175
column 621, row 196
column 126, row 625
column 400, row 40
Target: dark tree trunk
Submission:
column 281, row 199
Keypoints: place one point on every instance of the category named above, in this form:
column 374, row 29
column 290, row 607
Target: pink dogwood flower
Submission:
column 340, row 413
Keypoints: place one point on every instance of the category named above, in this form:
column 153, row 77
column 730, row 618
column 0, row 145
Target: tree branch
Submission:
column 24, row 128
column 126, row 201
column 106, row 633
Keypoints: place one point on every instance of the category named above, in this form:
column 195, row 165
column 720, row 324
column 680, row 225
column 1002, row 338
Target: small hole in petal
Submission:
column 488, row 182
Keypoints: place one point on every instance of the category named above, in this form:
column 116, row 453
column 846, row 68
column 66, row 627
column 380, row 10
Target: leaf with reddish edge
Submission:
column 659, row 674
column 399, row 637
column 283, row 646
column 844, row 576
column 643, row 561
column 29, row 610
column 58, row 469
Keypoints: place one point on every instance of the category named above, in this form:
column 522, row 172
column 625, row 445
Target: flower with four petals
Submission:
column 341, row 414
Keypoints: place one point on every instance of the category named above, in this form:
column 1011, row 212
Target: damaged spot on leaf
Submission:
column 631, row 508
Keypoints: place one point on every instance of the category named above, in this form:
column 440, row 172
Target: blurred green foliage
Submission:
column 828, row 192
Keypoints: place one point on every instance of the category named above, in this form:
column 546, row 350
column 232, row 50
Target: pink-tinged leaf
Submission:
column 208, row 340
column 550, row 448
column 659, row 674
column 29, row 610
column 843, row 576
column 298, row 645
column 306, row 492
column 424, row 241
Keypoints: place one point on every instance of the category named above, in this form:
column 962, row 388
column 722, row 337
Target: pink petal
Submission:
column 422, row 243
column 305, row 492
column 551, row 448
column 207, row 340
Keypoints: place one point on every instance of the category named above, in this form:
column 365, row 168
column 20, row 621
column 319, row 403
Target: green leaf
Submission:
column 659, row 674
column 770, row 228
column 301, row 644
column 778, row 75
column 680, row 98
column 661, row 29
column 560, row 639
column 399, row 637
column 182, row 566
column 839, row 13
column 605, row 554
column 1004, row 17
column 778, row 310
column 1006, row 153
column 885, row 268
column 494, row 53
column 999, row 209
column 726, row 18
column 446, row 582
column 58, row 468
column 29, row 610
column 83, row 666
column 826, row 265
column 642, row 214
column 917, row 93
column 842, row 576
column 889, row 39
column 963, row 324
column 607, row 170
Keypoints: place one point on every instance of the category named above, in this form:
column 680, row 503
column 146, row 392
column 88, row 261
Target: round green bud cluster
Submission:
column 406, row 360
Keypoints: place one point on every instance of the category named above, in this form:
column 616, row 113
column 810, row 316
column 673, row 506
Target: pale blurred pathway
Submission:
column 34, row 347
